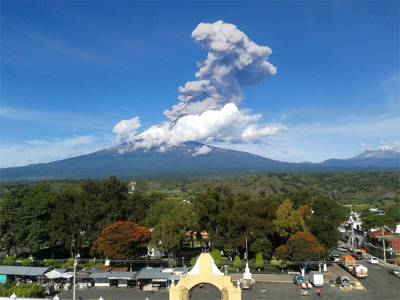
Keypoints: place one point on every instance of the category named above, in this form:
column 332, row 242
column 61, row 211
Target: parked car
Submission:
column 373, row 260
column 335, row 258
column 395, row 272
column 298, row 279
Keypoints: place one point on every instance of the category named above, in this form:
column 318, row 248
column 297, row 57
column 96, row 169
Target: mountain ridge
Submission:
column 186, row 160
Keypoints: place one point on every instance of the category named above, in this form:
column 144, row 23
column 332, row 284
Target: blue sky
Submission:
column 71, row 70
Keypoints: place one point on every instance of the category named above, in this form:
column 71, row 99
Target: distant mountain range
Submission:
column 387, row 157
column 189, row 159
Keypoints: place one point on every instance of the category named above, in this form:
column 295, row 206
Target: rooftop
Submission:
column 22, row 271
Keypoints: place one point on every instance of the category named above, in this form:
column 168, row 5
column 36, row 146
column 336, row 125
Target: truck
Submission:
column 358, row 254
column 316, row 278
column 360, row 271
column 348, row 262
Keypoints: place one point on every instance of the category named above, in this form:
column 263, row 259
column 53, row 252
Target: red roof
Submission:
column 378, row 234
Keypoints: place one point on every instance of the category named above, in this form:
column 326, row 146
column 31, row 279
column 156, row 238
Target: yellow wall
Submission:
column 206, row 274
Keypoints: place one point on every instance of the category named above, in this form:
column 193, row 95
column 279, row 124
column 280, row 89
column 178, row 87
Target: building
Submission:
column 131, row 187
column 18, row 273
column 376, row 211
column 153, row 278
column 353, row 234
column 116, row 279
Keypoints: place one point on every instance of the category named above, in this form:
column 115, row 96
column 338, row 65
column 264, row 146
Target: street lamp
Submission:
column 74, row 281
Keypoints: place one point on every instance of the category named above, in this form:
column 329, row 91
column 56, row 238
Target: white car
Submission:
column 373, row 260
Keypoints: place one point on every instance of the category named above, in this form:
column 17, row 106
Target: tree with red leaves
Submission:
column 304, row 246
column 120, row 240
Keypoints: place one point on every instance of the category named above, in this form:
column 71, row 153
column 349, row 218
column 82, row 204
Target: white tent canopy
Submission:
column 54, row 274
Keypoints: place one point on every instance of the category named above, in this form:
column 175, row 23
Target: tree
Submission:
column 304, row 246
column 237, row 263
column 282, row 252
column 121, row 240
column 262, row 246
column 259, row 261
column 216, row 255
column 169, row 234
column 326, row 218
column 288, row 220
column 140, row 203
column 252, row 218
column 213, row 208
column 377, row 221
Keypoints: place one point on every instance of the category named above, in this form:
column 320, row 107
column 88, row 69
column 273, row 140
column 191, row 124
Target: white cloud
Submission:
column 203, row 150
column 342, row 137
column 40, row 151
column 228, row 124
column 254, row 133
column 126, row 129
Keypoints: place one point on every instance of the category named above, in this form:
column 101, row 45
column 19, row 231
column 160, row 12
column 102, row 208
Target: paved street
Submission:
column 380, row 286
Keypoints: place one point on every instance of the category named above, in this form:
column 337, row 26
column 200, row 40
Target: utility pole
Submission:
column 247, row 252
column 74, row 281
column 384, row 245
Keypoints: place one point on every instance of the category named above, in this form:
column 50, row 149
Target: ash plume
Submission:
column 208, row 107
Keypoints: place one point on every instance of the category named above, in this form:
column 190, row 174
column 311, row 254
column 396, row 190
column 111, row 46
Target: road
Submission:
column 381, row 284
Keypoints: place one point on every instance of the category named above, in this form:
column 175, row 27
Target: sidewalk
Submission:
column 277, row 278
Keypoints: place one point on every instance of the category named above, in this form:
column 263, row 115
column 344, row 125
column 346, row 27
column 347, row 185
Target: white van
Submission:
column 316, row 278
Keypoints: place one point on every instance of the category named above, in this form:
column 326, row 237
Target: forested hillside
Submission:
column 347, row 188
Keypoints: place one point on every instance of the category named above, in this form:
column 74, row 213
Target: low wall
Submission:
column 19, row 298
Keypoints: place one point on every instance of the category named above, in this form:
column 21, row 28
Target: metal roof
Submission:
column 153, row 273
column 113, row 275
column 22, row 271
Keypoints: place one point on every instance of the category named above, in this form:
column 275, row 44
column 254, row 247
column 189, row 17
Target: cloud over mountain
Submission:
column 208, row 107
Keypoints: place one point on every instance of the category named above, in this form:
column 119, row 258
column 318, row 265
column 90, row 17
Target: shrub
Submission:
column 237, row 263
column 69, row 264
column 50, row 263
column 9, row 260
column 25, row 290
column 26, row 262
column 216, row 255
column 259, row 261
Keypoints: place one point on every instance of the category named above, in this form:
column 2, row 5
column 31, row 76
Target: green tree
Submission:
column 262, row 246
column 213, row 208
column 169, row 234
column 216, row 255
column 252, row 219
column 259, row 261
column 377, row 221
column 237, row 263
column 288, row 220
column 326, row 218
